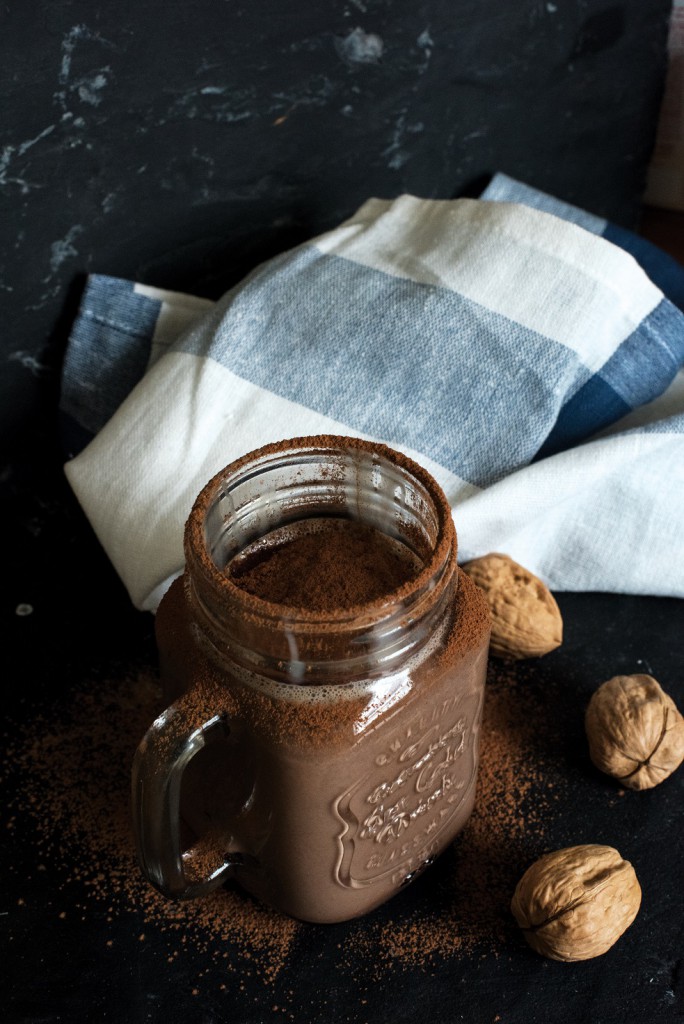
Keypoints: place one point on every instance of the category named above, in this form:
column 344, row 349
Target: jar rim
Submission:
column 443, row 552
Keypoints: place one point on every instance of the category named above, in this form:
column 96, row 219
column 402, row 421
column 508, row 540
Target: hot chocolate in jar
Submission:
column 324, row 659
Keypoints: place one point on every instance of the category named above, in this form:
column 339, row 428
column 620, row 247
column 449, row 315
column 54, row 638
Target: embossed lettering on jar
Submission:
column 326, row 748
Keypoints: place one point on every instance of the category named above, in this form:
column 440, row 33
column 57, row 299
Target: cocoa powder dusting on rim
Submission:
column 73, row 779
column 314, row 724
column 333, row 446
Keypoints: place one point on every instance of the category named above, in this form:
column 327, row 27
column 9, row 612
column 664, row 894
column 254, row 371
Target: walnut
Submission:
column 575, row 903
column 526, row 621
column 635, row 731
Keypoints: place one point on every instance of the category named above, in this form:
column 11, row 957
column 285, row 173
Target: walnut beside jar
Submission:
column 635, row 731
column 575, row 903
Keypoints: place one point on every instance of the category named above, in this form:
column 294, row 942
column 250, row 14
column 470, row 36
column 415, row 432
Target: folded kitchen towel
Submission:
column 511, row 344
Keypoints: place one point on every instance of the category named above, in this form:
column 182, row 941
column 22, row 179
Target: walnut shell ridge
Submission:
column 575, row 903
column 635, row 732
column 526, row 621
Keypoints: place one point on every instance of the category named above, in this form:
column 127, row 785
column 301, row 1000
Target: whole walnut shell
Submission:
column 575, row 903
column 526, row 621
column 635, row 732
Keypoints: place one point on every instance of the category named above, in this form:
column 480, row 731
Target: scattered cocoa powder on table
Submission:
column 516, row 790
column 74, row 782
column 71, row 775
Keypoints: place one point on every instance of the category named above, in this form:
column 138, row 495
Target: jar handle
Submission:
column 171, row 742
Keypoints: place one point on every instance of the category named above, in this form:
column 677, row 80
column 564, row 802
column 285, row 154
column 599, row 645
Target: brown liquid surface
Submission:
column 324, row 565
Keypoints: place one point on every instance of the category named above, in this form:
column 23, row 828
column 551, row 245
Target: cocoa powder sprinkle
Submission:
column 323, row 564
column 72, row 777
column 517, row 787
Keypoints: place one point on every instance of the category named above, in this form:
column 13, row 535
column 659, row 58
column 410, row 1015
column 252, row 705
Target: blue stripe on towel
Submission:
column 595, row 405
column 648, row 360
column 663, row 270
column 108, row 352
column 415, row 364
column 640, row 370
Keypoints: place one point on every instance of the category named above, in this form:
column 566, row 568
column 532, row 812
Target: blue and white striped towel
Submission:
column 510, row 343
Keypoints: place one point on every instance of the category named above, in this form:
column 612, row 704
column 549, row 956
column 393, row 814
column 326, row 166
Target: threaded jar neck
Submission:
column 318, row 477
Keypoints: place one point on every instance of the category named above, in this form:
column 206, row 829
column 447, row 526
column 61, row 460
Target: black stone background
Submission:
column 180, row 145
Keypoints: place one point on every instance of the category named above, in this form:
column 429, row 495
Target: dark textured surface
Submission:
column 67, row 957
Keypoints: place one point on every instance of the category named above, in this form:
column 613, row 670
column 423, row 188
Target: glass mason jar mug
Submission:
column 321, row 757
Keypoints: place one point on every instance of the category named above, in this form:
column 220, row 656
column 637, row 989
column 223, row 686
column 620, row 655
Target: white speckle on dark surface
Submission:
column 28, row 361
column 86, row 87
column 109, row 202
column 6, row 156
column 69, row 43
column 23, row 609
column 315, row 92
column 89, row 88
column 63, row 248
column 208, row 65
column 397, row 150
column 477, row 133
column 46, row 296
column 426, row 42
column 212, row 103
column 359, row 47
column 23, row 146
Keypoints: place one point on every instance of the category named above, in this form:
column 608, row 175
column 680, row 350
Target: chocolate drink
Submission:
column 349, row 665
column 323, row 564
